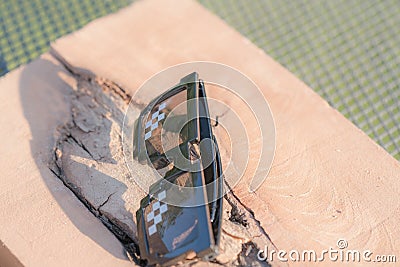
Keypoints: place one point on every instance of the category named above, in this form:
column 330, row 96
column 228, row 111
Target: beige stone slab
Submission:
column 328, row 180
column 41, row 221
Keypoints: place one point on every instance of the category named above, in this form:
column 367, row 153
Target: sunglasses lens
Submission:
column 165, row 127
column 173, row 230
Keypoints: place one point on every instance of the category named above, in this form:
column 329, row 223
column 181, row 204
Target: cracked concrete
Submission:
column 88, row 157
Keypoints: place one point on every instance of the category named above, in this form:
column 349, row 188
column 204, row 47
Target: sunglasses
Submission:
column 181, row 216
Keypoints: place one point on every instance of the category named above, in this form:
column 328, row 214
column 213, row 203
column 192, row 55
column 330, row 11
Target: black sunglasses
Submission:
column 174, row 135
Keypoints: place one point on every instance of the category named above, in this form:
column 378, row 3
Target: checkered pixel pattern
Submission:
column 155, row 118
column 157, row 210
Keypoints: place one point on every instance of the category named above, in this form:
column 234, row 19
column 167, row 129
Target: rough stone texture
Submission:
column 89, row 156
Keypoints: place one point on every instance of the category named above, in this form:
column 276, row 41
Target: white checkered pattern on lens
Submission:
column 162, row 207
column 152, row 123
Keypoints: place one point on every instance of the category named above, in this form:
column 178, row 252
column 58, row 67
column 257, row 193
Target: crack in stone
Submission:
column 251, row 212
column 112, row 86
column 81, row 145
column 217, row 117
column 248, row 256
column 236, row 216
column 105, row 202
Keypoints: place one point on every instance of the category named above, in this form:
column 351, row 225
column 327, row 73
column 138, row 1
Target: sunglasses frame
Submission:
column 209, row 215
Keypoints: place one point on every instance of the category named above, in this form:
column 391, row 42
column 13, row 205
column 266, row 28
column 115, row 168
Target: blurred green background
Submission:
column 347, row 51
